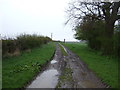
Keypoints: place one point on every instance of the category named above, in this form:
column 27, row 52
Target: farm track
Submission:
column 72, row 73
column 79, row 76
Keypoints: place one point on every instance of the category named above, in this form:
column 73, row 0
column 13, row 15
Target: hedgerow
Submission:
column 22, row 42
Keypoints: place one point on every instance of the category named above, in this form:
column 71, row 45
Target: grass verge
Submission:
column 62, row 50
column 66, row 77
column 106, row 68
column 17, row 71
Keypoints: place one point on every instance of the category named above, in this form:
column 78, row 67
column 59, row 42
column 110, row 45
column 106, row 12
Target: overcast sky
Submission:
column 35, row 16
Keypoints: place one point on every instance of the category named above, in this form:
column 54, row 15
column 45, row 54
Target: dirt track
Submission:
column 76, row 74
column 66, row 72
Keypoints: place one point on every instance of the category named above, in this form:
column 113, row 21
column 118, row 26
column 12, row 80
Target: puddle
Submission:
column 53, row 61
column 48, row 79
column 88, row 84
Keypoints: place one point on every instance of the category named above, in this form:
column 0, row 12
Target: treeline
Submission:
column 93, row 31
column 95, row 22
column 24, row 42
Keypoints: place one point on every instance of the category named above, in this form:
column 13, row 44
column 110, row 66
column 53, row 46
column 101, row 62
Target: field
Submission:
column 104, row 67
column 18, row 70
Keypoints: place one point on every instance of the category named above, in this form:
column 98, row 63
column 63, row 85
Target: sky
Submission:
column 41, row 17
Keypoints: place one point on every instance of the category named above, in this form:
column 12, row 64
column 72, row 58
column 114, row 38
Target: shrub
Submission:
column 23, row 42
column 8, row 46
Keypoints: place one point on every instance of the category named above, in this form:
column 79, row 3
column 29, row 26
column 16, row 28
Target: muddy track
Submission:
column 66, row 72
column 48, row 78
column 76, row 74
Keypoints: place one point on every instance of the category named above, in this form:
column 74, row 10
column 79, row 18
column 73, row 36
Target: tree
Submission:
column 91, row 31
column 107, row 11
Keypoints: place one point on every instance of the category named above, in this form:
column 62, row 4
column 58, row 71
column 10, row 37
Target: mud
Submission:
column 82, row 77
column 66, row 72
column 49, row 77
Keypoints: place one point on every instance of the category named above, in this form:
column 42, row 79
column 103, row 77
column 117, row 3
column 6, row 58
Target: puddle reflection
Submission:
column 48, row 79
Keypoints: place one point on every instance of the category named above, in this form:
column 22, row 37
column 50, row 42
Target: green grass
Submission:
column 17, row 71
column 106, row 68
column 66, row 76
column 62, row 50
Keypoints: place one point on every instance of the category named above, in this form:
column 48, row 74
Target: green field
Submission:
column 106, row 68
column 17, row 71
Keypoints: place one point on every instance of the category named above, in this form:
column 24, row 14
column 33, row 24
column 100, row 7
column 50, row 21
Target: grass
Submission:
column 66, row 76
column 17, row 71
column 0, row 74
column 62, row 50
column 0, row 64
column 106, row 68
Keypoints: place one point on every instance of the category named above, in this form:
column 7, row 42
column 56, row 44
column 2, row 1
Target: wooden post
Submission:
column 51, row 35
column 64, row 40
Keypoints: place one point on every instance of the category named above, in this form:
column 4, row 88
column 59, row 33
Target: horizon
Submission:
column 35, row 17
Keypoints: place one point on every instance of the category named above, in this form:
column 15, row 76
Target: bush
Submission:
column 27, row 41
column 23, row 42
column 8, row 46
column 117, row 44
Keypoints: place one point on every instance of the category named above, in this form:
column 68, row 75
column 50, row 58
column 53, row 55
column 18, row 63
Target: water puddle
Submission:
column 48, row 79
column 88, row 84
column 53, row 61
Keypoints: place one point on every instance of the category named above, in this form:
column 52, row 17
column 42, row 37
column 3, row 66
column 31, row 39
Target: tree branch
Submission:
column 118, row 17
column 89, row 9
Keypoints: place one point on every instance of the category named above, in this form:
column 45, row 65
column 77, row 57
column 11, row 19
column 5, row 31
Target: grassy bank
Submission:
column 62, row 50
column 17, row 71
column 106, row 68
